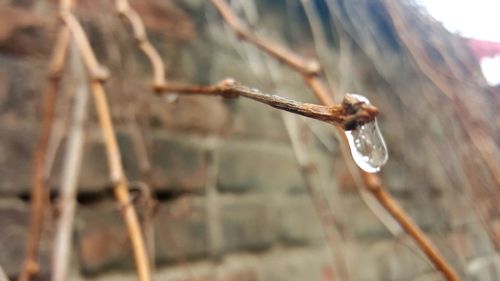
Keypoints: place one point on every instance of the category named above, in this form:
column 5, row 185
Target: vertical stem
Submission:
column 39, row 194
column 120, row 186
column 71, row 168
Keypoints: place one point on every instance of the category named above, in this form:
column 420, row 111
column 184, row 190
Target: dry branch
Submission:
column 39, row 194
column 117, row 175
column 348, row 115
column 308, row 68
column 140, row 35
column 69, row 176
column 372, row 181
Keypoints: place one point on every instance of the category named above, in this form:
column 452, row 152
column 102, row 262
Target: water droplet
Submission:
column 367, row 144
column 170, row 98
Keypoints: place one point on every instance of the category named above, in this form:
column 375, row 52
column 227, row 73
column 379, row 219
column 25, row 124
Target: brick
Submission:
column 20, row 30
column 177, row 163
column 14, row 216
column 299, row 223
column 181, row 230
column 257, row 121
column 103, row 244
column 248, row 223
column 430, row 276
column 94, row 171
column 247, row 166
column 361, row 221
column 294, row 265
column 22, row 84
column 190, row 114
column 16, row 152
column 388, row 260
column 102, row 240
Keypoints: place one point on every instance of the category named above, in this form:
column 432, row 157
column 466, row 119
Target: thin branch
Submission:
column 372, row 181
column 306, row 67
column 347, row 115
column 117, row 175
column 309, row 69
column 39, row 194
column 69, row 177
column 140, row 35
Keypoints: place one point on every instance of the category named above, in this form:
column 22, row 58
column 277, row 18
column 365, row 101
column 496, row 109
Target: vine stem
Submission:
column 371, row 181
column 39, row 193
column 128, row 14
column 117, row 175
column 347, row 115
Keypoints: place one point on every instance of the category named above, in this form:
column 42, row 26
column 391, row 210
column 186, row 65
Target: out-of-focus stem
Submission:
column 39, row 194
column 69, row 176
column 140, row 35
column 117, row 175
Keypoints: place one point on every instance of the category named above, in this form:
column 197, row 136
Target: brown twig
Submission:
column 348, row 115
column 140, row 35
column 39, row 194
column 371, row 181
column 117, row 175
column 301, row 65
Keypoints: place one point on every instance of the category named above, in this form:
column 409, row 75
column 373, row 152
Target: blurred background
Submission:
column 216, row 182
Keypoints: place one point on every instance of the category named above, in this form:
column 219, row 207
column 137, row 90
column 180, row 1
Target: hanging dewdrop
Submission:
column 367, row 144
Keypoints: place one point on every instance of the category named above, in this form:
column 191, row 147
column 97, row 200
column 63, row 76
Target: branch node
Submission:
column 100, row 74
column 358, row 113
column 312, row 67
column 227, row 88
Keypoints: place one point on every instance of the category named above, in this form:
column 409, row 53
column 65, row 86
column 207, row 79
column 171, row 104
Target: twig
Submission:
column 69, row 176
column 117, row 175
column 347, row 115
column 140, row 35
column 299, row 64
column 308, row 68
column 372, row 181
column 39, row 195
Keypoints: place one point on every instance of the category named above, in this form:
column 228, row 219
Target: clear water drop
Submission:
column 367, row 144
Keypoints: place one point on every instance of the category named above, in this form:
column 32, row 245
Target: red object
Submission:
column 482, row 48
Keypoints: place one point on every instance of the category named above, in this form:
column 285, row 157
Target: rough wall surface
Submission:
column 258, row 222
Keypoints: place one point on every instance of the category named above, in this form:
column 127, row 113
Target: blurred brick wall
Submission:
column 259, row 225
